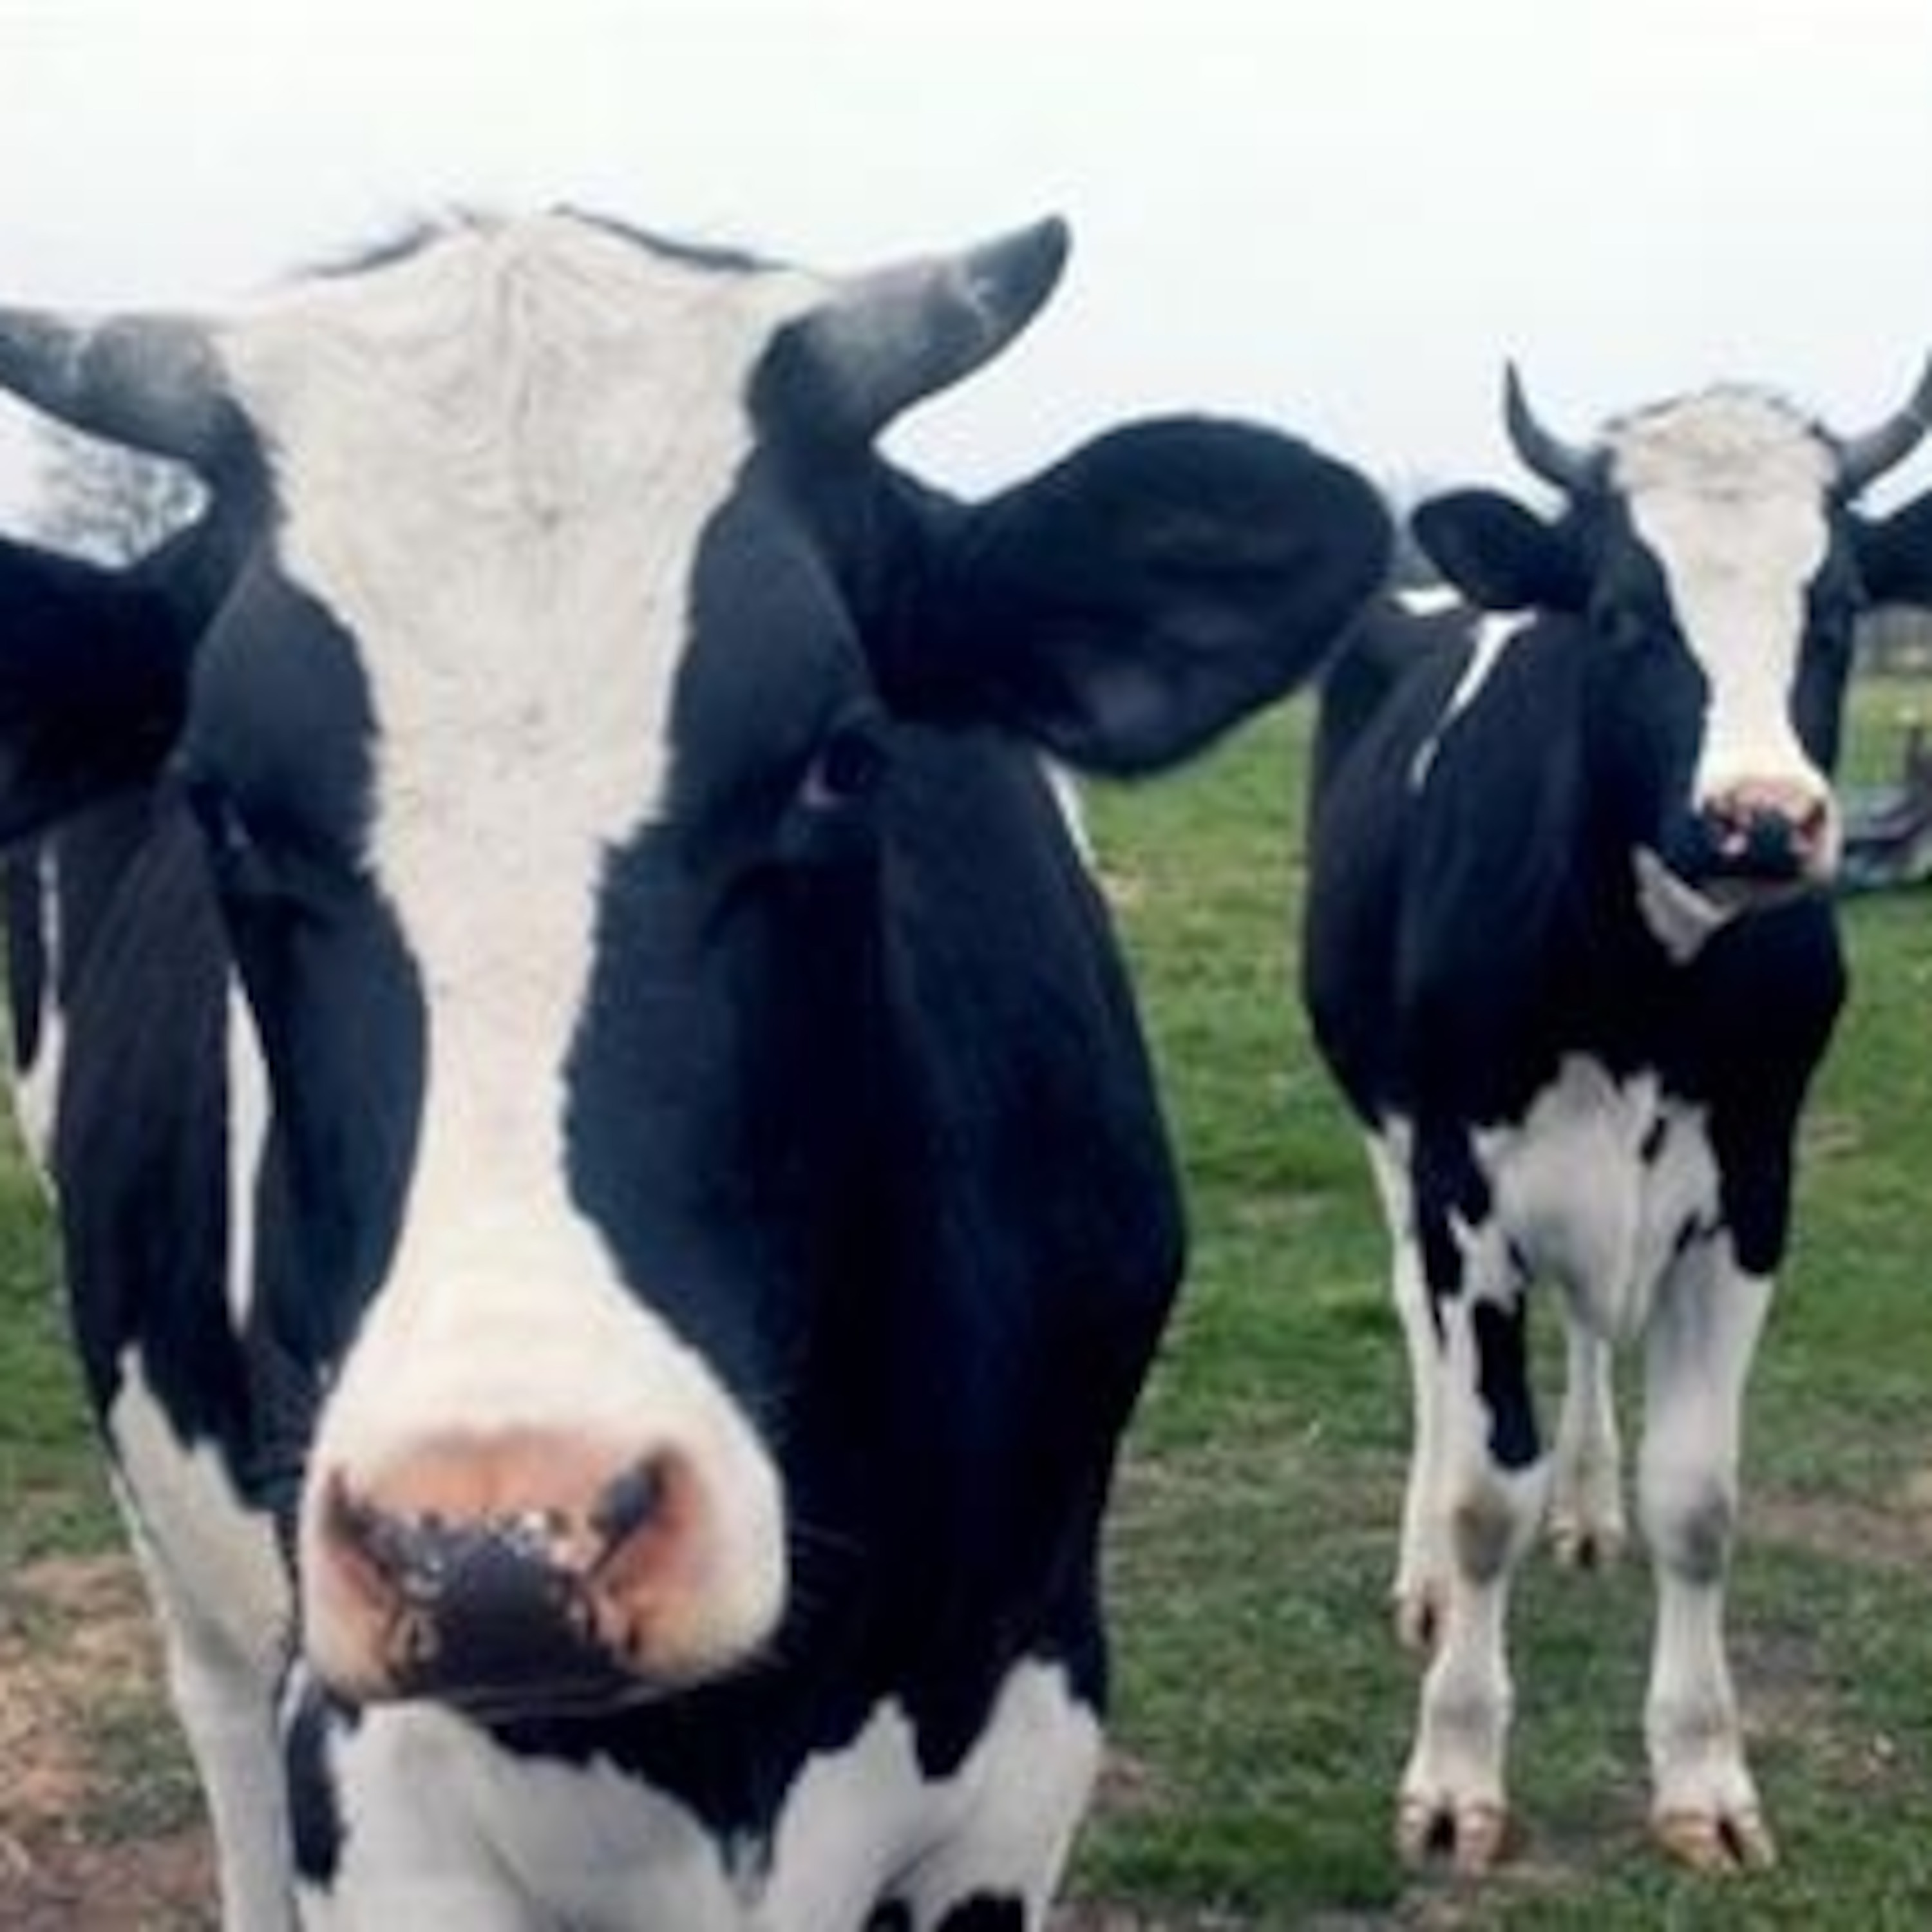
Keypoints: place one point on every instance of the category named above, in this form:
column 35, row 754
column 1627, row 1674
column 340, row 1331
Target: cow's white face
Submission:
column 493, row 463
column 1729, row 493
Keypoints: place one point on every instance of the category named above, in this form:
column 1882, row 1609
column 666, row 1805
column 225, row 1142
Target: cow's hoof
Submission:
column 1471, row 1838
column 1713, row 1841
column 1418, row 1618
column 1581, row 1543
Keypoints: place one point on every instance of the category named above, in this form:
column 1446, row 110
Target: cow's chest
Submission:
column 434, row 1816
column 1603, row 1184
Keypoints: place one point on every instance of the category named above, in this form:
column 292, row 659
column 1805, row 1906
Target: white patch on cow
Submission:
column 495, row 461
column 37, row 1082
column 1728, row 491
column 865, row 1824
column 1577, row 1200
column 217, row 1581
column 1428, row 600
column 247, row 1136
column 1681, row 919
column 1494, row 636
column 219, row 1556
column 442, row 1827
column 1065, row 787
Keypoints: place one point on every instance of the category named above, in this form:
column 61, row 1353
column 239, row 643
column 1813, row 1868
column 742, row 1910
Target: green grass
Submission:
column 52, row 1498
column 1259, row 1691
column 1263, row 1710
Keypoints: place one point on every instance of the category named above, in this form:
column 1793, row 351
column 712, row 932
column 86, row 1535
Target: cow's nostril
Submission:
column 632, row 1502
column 390, row 1559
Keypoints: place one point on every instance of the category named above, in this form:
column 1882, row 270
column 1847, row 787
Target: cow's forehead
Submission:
column 1731, row 447
column 493, row 458
column 545, row 354
column 581, row 282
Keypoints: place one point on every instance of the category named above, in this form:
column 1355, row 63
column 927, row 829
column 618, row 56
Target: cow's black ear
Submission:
column 1894, row 553
column 1498, row 554
column 94, row 671
column 1126, row 606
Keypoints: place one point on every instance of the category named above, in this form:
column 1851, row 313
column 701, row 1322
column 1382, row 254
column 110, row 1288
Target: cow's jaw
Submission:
column 495, row 469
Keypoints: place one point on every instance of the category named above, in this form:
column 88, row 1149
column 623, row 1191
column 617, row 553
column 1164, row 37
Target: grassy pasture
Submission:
column 1263, row 1709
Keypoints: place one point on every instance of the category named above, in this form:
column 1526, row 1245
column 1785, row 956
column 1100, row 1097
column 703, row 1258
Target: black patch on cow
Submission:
column 315, row 1823
column 28, row 964
column 276, row 766
column 1449, row 1189
column 240, row 859
column 986, row 1912
column 92, row 683
column 145, row 1260
column 1502, row 1379
column 1656, row 1138
column 895, row 1915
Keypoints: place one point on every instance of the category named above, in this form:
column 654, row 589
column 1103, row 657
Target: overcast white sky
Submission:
column 1339, row 214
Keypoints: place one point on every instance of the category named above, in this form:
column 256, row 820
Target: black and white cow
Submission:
column 613, row 1200
column 1568, row 954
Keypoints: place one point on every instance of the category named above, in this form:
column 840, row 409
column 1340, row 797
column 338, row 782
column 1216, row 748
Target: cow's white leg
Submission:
column 224, row 1697
column 228, row 1712
column 217, row 1587
column 1587, row 1524
column 1702, row 1335
column 1422, row 1564
column 1452, row 1795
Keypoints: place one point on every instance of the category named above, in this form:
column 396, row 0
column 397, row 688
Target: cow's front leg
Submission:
column 1587, row 1527
column 216, row 1582
column 1702, row 1336
column 1421, row 1583
column 1490, row 1493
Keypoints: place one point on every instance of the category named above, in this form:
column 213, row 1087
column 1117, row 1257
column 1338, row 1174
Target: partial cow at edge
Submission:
column 611, row 1191
column 1569, row 952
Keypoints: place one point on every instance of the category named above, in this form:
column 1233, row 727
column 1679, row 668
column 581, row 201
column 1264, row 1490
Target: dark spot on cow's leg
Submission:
column 315, row 1813
column 1502, row 1377
column 984, row 1912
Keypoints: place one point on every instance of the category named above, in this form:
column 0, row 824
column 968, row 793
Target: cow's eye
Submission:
column 848, row 767
column 830, row 822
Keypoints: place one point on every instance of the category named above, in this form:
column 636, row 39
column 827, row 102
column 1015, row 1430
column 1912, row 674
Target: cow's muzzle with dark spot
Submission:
column 1764, row 835
column 520, row 1575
